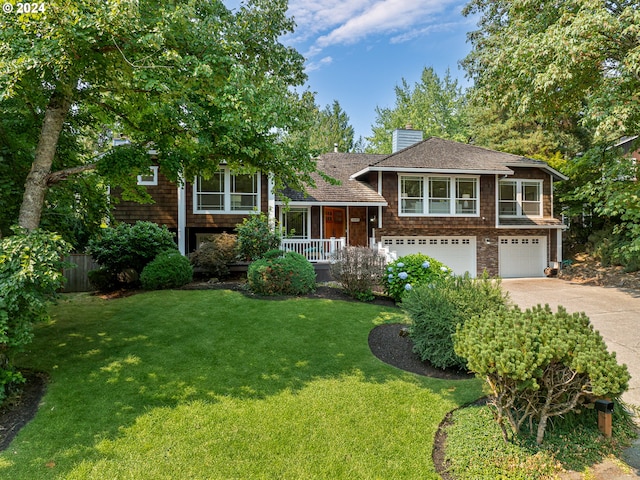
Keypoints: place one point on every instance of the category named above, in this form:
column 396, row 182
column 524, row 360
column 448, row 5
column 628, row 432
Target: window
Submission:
column 295, row 222
column 225, row 192
column 520, row 198
column 150, row 178
column 438, row 195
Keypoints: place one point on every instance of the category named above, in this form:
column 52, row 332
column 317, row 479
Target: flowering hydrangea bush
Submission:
column 410, row 271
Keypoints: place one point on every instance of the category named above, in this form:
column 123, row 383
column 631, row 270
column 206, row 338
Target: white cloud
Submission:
column 311, row 66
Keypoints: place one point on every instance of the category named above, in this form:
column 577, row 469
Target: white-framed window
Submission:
column 296, row 222
column 520, row 198
column 438, row 195
column 150, row 178
column 225, row 192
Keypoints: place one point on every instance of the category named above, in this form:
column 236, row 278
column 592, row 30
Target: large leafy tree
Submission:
column 332, row 128
column 196, row 82
column 435, row 105
column 565, row 61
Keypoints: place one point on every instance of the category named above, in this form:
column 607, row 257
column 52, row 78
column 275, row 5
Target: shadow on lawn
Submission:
column 114, row 362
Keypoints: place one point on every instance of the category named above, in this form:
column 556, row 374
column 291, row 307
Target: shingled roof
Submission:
column 340, row 166
column 436, row 155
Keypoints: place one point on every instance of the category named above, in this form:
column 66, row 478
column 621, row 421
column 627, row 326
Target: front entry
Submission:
column 358, row 226
column 335, row 222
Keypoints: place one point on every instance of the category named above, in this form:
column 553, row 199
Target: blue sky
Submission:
column 357, row 51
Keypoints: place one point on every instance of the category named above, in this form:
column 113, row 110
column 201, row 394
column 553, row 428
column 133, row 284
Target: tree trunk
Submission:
column 35, row 187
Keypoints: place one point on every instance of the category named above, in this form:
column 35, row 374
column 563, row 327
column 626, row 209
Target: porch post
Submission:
column 559, row 247
column 271, row 200
column 182, row 216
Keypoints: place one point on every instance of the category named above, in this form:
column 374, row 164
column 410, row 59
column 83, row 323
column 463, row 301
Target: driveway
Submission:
column 614, row 312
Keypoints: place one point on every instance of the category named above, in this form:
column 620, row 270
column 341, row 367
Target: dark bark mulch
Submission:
column 21, row 407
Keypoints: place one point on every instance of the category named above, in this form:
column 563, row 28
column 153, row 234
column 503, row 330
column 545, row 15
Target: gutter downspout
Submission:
column 182, row 216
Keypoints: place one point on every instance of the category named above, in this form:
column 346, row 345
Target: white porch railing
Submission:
column 314, row 249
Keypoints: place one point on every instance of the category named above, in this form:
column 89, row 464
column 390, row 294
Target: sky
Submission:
column 357, row 51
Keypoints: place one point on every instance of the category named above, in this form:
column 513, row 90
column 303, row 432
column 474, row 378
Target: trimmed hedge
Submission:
column 167, row 270
column 280, row 273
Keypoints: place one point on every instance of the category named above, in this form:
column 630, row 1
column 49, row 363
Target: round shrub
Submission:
column 167, row 270
column 130, row 246
column 409, row 271
column 282, row 274
column 437, row 309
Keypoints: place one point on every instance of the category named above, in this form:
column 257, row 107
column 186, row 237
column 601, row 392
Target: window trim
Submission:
column 226, row 195
column 307, row 220
column 153, row 169
column 427, row 195
column 520, row 183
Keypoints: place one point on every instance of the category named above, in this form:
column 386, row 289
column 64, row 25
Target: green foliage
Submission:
column 30, row 274
column 103, row 280
column 435, row 105
column 215, row 256
column 438, row 309
column 410, row 271
column 256, row 236
column 538, row 364
column 160, row 75
column 167, row 270
column 358, row 270
column 130, row 246
column 331, row 127
column 287, row 273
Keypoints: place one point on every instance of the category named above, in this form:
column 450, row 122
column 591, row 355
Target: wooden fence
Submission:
column 77, row 278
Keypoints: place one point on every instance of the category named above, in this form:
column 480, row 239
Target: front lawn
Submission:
column 211, row 384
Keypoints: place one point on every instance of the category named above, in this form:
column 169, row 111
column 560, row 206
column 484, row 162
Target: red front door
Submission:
column 334, row 222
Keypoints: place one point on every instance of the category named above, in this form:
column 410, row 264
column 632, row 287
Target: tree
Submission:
column 195, row 81
column 332, row 128
column 560, row 61
column 434, row 105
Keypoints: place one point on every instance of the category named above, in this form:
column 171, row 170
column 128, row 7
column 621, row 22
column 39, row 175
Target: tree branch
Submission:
column 55, row 177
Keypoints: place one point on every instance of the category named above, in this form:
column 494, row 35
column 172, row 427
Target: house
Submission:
column 472, row 208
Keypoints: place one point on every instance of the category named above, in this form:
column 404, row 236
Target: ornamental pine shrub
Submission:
column 410, row 271
column 437, row 309
column 358, row 270
column 256, row 236
column 538, row 364
column 215, row 256
column 282, row 274
column 167, row 270
column 130, row 246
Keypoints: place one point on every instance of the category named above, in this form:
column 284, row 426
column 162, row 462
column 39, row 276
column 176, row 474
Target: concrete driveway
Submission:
column 614, row 312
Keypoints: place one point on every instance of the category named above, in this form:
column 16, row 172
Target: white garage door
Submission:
column 457, row 253
column 522, row 256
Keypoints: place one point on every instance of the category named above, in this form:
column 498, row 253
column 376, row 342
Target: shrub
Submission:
column 410, row 271
column 285, row 274
column 256, row 236
column 436, row 310
column 167, row 270
column 102, row 280
column 358, row 270
column 130, row 246
column 215, row 256
column 30, row 274
column 538, row 364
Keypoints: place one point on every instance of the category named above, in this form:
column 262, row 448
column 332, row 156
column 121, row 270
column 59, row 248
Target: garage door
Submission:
column 522, row 256
column 457, row 253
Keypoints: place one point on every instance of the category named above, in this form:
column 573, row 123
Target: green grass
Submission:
column 214, row 385
column 476, row 449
